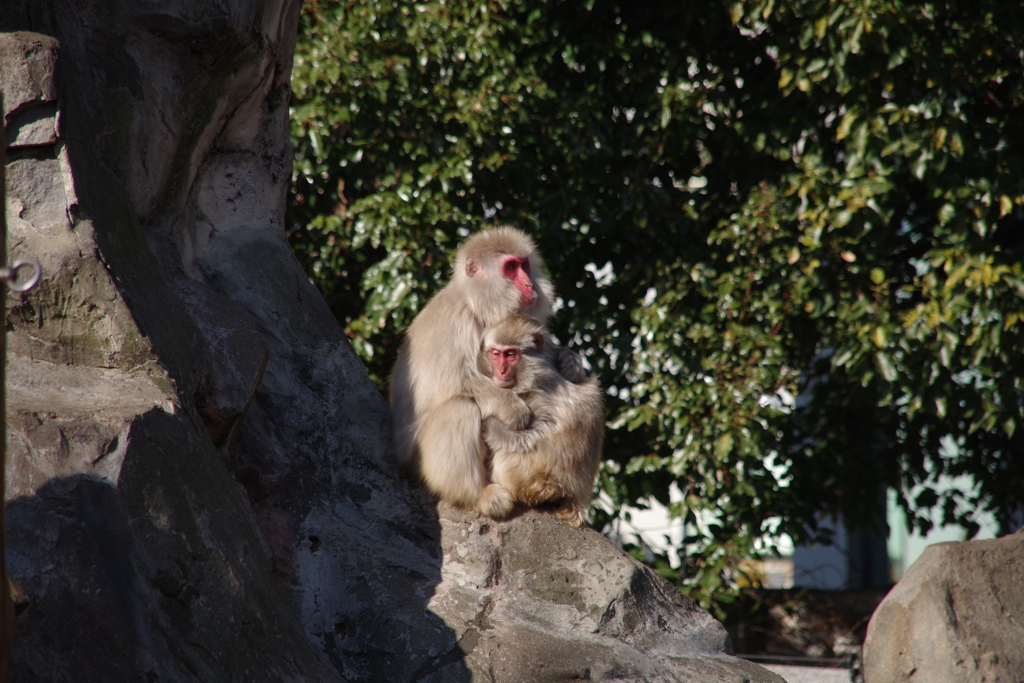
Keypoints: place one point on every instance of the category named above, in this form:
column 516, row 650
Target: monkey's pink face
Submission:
column 503, row 360
column 518, row 271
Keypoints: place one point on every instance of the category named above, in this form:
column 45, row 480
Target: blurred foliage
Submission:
column 787, row 234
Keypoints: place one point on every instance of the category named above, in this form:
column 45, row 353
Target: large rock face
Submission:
column 957, row 616
column 199, row 479
column 140, row 555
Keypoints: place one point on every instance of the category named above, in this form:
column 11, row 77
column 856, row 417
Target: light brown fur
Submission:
column 555, row 459
column 438, row 395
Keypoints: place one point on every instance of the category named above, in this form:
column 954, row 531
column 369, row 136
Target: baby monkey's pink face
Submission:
column 503, row 362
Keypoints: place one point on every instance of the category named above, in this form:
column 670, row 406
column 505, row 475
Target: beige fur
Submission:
column 555, row 459
column 437, row 391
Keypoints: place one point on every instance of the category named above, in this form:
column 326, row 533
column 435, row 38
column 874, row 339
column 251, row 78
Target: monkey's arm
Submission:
column 569, row 364
column 503, row 404
column 499, row 437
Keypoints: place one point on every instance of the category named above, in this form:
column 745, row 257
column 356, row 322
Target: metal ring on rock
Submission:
column 11, row 274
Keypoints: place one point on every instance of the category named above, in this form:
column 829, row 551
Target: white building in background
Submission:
column 855, row 560
column 651, row 528
column 904, row 548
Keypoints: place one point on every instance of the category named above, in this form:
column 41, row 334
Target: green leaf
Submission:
column 843, row 131
column 878, row 336
column 885, row 366
column 723, row 446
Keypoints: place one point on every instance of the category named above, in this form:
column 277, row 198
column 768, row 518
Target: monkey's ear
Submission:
column 538, row 340
column 471, row 267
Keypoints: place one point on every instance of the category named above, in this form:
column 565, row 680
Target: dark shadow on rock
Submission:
column 53, row 541
column 161, row 577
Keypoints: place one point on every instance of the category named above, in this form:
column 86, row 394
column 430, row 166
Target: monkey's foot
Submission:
column 495, row 501
column 539, row 492
column 573, row 514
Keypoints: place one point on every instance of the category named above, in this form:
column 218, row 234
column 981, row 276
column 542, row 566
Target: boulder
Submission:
column 533, row 599
column 957, row 616
column 200, row 484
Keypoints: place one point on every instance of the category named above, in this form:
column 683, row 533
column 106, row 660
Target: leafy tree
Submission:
column 786, row 233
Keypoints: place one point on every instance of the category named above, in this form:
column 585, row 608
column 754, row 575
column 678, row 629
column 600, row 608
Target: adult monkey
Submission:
column 555, row 459
column 438, row 395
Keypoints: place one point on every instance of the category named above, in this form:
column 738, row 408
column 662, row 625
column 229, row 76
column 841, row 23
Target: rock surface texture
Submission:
column 199, row 479
column 534, row 600
column 957, row 616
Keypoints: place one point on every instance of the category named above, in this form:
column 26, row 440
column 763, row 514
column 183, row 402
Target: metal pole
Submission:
column 7, row 624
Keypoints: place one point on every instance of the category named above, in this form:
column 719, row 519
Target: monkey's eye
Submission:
column 511, row 265
column 511, row 354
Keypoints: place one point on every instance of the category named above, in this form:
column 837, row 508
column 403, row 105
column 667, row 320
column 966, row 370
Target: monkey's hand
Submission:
column 503, row 404
column 570, row 365
column 500, row 438
column 514, row 412
column 497, row 435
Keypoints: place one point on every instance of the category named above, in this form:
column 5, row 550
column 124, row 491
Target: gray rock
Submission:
column 140, row 555
column 151, row 545
column 956, row 616
column 533, row 599
column 28, row 64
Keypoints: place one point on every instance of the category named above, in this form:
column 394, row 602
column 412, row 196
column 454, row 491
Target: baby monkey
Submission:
column 555, row 459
